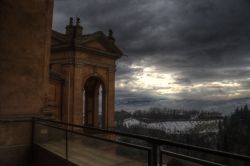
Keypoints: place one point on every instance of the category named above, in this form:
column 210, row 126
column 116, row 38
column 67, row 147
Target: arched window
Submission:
column 93, row 102
column 100, row 109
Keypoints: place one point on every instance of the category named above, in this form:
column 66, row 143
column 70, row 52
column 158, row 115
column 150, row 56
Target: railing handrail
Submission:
column 192, row 159
column 96, row 137
column 158, row 141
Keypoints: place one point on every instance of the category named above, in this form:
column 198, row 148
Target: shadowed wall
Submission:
column 25, row 33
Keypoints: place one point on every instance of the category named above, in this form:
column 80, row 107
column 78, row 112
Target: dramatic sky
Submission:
column 178, row 49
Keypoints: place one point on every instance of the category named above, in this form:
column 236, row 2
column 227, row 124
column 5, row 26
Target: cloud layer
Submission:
column 176, row 49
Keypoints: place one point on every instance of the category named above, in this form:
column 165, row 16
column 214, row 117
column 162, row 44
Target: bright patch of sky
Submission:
column 158, row 83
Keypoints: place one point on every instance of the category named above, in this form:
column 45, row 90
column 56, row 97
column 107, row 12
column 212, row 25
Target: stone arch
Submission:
column 99, row 76
column 91, row 101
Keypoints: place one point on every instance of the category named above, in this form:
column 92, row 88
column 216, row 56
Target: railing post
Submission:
column 160, row 158
column 154, row 155
column 32, row 139
column 66, row 144
column 32, row 130
column 149, row 157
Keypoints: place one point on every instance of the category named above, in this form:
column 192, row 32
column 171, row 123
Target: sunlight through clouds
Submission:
column 149, row 78
column 171, row 50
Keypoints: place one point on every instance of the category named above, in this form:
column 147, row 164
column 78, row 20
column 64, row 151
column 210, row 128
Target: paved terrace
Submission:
column 85, row 152
column 104, row 148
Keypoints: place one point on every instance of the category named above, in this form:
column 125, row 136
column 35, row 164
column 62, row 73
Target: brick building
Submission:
column 46, row 73
column 82, row 76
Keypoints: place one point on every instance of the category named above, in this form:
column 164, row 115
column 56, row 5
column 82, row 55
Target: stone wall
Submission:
column 77, row 67
column 25, row 33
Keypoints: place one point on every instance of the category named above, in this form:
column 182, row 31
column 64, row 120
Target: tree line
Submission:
column 233, row 131
column 156, row 114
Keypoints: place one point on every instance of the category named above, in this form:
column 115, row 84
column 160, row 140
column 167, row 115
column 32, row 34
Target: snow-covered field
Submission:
column 177, row 127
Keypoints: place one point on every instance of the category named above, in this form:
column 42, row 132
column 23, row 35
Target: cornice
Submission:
column 56, row 76
column 63, row 42
column 79, row 61
column 68, row 47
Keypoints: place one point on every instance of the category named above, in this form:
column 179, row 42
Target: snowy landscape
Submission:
column 177, row 127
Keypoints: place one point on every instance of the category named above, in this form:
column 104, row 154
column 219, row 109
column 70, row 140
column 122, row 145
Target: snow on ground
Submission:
column 175, row 127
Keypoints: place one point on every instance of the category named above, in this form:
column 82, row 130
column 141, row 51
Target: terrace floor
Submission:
column 87, row 152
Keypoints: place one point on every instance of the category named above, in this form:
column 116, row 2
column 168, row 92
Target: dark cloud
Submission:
column 196, row 41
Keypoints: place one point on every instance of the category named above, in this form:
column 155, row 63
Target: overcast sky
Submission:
column 180, row 49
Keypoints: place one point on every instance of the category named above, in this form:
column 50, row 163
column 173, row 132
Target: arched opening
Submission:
column 93, row 102
column 100, row 109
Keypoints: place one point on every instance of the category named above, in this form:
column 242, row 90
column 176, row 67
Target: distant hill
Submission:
column 223, row 106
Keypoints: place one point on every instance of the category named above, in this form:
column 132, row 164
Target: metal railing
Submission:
column 156, row 149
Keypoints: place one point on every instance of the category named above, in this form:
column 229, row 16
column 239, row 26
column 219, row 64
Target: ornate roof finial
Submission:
column 70, row 28
column 74, row 30
column 77, row 21
column 70, row 21
column 110, row 33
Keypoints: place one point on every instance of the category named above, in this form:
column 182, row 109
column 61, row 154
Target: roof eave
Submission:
column 60, row 48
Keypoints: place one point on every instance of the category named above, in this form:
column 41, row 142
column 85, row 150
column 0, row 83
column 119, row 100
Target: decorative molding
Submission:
column 79, row 61
column 67, row 47
column 56, row 76
column 111, row 69
column 94, row 69
column 80, row 40
column 17, row 118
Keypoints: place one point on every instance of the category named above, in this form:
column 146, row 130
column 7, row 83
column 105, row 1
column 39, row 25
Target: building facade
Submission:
column 82, row 77
column 25, row 41
column 68, row 77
